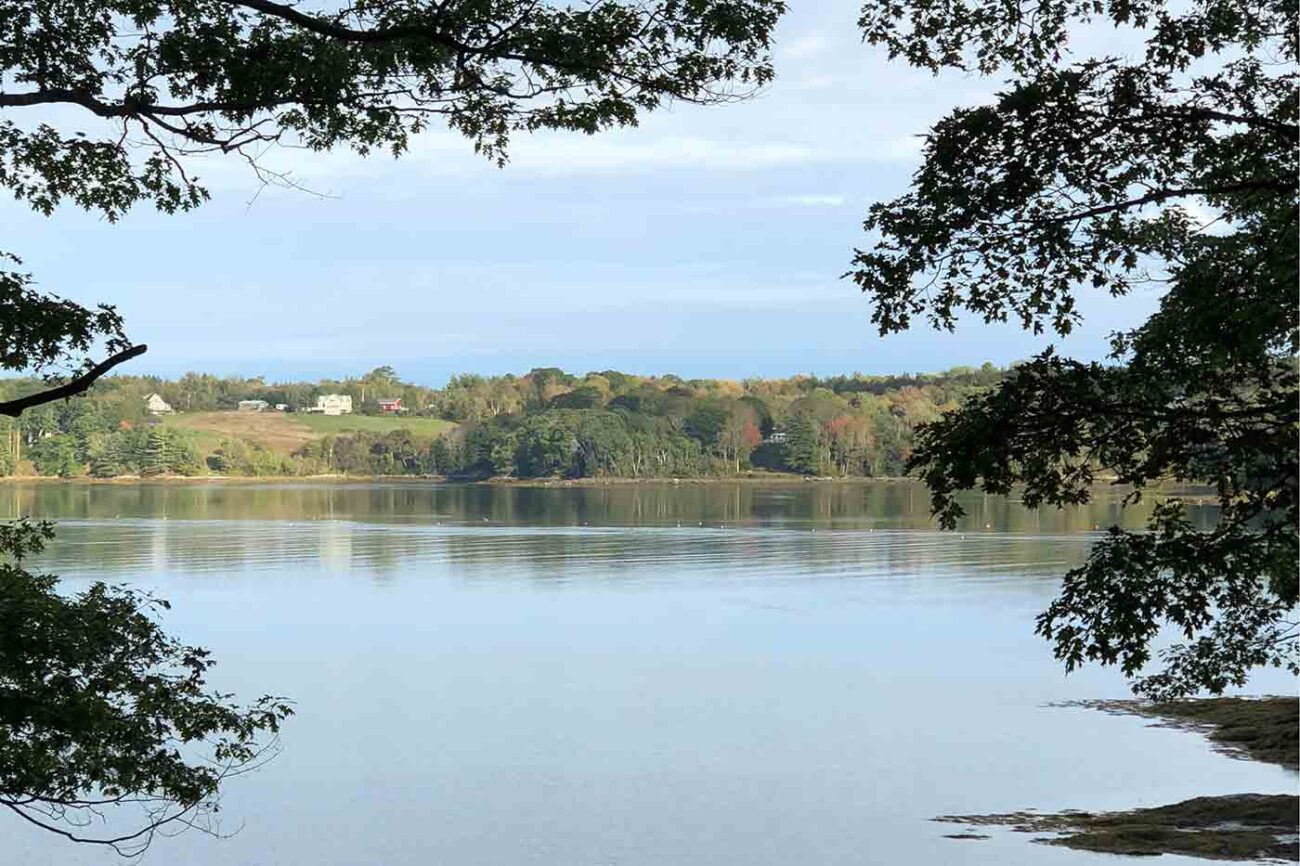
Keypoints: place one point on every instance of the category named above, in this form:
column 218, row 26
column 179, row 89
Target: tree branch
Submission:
column 322, row 26
column 428, row 32
column 128, row 107
column 14, row 408
column 1288, row 130
column 1161, row 195
column 118, row 843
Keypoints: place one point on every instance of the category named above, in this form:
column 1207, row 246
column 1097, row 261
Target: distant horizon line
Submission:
column 855, row 374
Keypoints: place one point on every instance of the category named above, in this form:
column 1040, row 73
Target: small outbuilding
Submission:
column 253, row 405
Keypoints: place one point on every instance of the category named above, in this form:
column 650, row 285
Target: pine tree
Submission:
column 182, row 456
column 803, row 448
column 106, row 461
column 157, row 455
column 7, row 461
column 440, row 460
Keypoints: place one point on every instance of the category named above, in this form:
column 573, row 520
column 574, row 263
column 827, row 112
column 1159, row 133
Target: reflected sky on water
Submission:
column 795, row 674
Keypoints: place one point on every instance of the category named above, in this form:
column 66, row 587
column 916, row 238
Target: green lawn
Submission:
column 206, row 441
column 285, row 433
column 324, row 424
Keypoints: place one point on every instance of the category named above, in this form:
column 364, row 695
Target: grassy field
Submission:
column 323, row 424
column 286, row 433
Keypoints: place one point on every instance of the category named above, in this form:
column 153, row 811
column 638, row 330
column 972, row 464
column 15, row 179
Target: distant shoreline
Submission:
column 764, row 478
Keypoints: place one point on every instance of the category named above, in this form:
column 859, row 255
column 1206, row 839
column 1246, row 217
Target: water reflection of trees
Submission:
column 485, row 532
column 879, row 504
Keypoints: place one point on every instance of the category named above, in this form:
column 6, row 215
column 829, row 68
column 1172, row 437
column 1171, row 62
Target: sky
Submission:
column 709, row 241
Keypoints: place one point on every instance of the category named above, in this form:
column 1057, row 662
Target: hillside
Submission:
column 545, row 423
column 286, row 433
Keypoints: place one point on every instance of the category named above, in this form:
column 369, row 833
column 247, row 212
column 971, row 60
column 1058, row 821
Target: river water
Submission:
column 640, row 675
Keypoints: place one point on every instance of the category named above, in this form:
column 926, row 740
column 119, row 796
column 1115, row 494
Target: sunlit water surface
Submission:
column 634, row 675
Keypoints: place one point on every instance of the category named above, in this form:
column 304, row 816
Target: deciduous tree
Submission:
column 1098, row 175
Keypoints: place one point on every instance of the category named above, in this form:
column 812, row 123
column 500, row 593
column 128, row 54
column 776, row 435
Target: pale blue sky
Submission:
column 708, row 242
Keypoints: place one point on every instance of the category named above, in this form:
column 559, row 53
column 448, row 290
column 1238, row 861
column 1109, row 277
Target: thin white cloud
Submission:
column 622, row 152
column 811, row 200
column 443, row 154
column 816, row 82
column 803, row 47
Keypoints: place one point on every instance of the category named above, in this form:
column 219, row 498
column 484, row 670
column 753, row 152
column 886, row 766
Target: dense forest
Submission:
column 546, row 423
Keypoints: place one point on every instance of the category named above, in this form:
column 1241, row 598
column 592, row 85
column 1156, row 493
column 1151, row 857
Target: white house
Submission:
column 156, row 405
column 253, row 405
column 333, row 404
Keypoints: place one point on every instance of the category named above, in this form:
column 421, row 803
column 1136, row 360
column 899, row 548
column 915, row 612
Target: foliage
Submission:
column 803, row 444
column 1102, row 175
column 56, row 456
column 541, row 424
column 398, row 452
column 235, row 76
column 664, row 426
column 42, row 331
column 99, row 707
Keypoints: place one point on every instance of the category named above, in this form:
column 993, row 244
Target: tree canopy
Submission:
column 97, row 704
column 607, row 423
column 1175, row 169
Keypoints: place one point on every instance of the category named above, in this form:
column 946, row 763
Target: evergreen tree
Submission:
column 107, row 462
column 157, row 456
column 803, row 445
column 440, row 460
column 9, row 436
column 182, row 457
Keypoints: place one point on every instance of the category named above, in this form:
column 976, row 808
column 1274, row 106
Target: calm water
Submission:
column 634, row 675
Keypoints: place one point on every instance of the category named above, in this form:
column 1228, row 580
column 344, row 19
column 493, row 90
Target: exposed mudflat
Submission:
column 1259, row 729
column 1237, row 827
column 1243, row 827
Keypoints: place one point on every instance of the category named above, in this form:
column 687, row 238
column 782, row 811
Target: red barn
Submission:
column 389, row 405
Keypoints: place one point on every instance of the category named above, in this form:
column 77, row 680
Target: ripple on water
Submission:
column 117, row 546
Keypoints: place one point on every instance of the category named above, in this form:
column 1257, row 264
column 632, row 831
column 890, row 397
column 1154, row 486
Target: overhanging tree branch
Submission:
column 324, row 27
column 1289, row 130
column 1278, row 186
column 14, row 408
